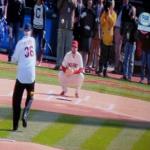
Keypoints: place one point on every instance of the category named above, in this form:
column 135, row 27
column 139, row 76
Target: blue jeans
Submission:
column 128, row 64
column 145, row 64
column 39, row 35
column 64, row 40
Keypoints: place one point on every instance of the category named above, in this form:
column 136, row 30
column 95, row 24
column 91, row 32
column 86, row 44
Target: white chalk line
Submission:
column 6, row 140
column 49, row 98
column 111, row 109
column 79, row 100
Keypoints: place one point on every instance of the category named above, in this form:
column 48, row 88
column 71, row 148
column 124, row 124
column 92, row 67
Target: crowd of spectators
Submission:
column 106, row 35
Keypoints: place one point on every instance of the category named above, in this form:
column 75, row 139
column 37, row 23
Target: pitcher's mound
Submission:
column 13, row 145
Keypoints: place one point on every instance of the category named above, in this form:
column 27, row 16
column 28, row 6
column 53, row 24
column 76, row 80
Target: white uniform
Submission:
column 75, row 80
column 25, row 57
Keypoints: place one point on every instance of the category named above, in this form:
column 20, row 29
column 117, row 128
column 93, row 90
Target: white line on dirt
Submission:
column 7, row 140
column 78, row 101
column 111, row 109
column 10, row 94
column 49, row 98
column 86, row 98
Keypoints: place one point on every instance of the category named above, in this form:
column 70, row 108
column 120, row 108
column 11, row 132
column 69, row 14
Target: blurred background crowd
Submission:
column 107, row 32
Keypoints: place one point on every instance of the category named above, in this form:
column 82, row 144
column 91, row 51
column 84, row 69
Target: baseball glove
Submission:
column 69, row 72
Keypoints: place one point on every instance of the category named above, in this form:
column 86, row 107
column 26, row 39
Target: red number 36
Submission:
column 29, row 51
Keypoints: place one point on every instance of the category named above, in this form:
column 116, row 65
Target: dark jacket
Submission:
column 3, row 4
column 145, row 40
column 87, row 20
column 125, row 18
column 15, row 11
column 76, row 29
column 130, row 27
column 66, row 10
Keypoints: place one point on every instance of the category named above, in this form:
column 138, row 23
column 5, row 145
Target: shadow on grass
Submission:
column 43, row 116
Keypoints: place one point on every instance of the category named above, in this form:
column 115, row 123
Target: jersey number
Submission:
column 29, row 51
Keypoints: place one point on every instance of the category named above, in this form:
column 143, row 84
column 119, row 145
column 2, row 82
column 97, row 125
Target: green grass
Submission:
column 103, row 136
column 5, row 127
column 143, row 143
column 77, row 133
column 57, row 131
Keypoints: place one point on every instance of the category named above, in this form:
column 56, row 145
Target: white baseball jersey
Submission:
column 25, row 56
column 38, row 20
column 73, row 61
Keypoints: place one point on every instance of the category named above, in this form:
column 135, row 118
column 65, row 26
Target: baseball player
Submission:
column 25, row 57
column 71, row 73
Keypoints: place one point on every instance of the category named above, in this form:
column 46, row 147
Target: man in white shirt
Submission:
column 25, row 57
column 71, row 73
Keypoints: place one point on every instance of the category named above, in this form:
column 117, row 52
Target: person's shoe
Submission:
column 39, row 64
column 141, row 81
column 9, row 58
column 129, row 79
column 62, row 93
column 56, row 67
column 24, row 122
column 124, row 77
column 99, row 73
column 105, row 73
column 15, row 128
column 114, row 72
column 77, row 95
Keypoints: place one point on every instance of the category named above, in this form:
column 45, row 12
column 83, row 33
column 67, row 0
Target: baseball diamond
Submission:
column 61, row 121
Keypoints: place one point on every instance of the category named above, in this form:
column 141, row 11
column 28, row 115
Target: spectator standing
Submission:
column 30, row 3
column 72, row 70
column 96, row 40
column 3, row 22
column 144, row 37
column 107, row 20
column 76, row 29
column 118, row 37
column 66, row 9
column 25, row 56
column 130, row 36
column 87, row 28
column 38, row 22
column 3, row 8
column 125, row 17
column 15, row 17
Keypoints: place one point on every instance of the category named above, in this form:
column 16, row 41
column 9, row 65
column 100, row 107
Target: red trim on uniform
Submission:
column 63, row 68
column 80, row 70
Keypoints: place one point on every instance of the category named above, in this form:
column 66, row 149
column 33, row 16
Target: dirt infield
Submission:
column 90, row 104
column 13, row 145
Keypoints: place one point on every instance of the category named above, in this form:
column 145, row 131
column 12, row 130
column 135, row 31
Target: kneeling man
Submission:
column 71, row 74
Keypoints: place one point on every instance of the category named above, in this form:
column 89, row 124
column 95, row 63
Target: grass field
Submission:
column 74, row 132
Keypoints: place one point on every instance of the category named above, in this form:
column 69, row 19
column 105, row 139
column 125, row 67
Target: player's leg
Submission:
column 17, row 96
column 77, row 82
column 28, row 103
column 63, row 82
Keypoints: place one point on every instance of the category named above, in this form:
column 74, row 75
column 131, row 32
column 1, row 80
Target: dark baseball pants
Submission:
column 17, row 98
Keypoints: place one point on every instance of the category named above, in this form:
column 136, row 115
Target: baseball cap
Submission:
column 75, row 43
column 27, row 27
